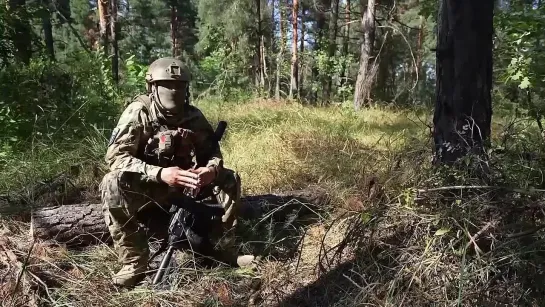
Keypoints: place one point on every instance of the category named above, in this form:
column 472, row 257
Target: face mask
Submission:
column 171, row 100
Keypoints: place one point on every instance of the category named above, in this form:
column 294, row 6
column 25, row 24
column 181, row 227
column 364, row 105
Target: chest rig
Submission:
column 171, row 147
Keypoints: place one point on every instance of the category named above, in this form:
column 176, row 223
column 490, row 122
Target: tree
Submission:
column 114, row 30
column 346, row 41
column 103, row 22
column 320, row 33
column 174, row 28
column 21, row 30
column 365, row 74
column 463, row 107
column 294, row 88
column 332, row 47
column 48, row 29
column 280, row 55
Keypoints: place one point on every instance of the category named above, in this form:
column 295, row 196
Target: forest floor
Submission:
column 386, row 239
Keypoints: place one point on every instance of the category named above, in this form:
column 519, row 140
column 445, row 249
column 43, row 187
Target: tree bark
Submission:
column 294, row 88
column 273, row 47
column 321, row 29
column 365, row 74
column 463, row 107
column 332, row 47
column 420, row 42
column 79, row 224
column 301, row 50
column 344, row 74
column 115, row 49
column 48, row 30
column 83, row 224
column 103, row 22
column 260, row 45
column 280, row 55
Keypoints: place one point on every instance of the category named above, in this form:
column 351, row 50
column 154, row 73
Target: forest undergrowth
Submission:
column 396, row 232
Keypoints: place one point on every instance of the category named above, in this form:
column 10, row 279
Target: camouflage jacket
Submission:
column 137, row 125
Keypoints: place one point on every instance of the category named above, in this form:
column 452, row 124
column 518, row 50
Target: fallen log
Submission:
column 83, row 224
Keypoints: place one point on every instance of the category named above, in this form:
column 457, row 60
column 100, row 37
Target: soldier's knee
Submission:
column 110, row 178
column 110, row 189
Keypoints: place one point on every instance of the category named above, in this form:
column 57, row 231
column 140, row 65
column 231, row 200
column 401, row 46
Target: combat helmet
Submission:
column 167, row 69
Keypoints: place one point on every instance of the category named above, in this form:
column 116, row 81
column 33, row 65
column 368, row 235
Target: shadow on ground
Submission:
column 488, row 250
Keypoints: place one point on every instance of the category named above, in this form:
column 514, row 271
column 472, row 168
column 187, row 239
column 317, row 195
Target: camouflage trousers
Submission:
column 124, row 194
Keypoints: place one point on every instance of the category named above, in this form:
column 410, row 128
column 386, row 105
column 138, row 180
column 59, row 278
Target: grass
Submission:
column 377, row 246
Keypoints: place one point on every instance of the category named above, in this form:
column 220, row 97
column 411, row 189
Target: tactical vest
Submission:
column 168, row 146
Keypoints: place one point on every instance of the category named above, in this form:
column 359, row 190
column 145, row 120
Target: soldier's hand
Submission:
column 175, row 176
column 206, row 176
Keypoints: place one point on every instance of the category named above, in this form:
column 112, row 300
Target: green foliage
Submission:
column 50, row 101
column 134, row 75
column 6, row 32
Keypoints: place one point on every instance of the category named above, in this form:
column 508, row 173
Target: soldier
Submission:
column 138, row 178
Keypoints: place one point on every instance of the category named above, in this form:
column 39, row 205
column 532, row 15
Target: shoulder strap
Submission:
column 145, row 100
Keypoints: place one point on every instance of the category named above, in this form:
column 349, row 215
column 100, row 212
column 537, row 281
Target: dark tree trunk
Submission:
column 294, row 66
column 48, row 30
column 463, row 107
column 332, row 47
column 115, row 49
column 383, row 86
column 22, row 39
column 365, row 72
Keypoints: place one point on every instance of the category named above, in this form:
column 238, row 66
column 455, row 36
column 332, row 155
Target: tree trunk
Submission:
column 79, row 224
column 301, row 50
column 463, row 107
column 420, row 42
column 260, row 71
column 321, row 29
column 103, row 22
column 48, row 30
column 383, row 87
column 115, row 49
column 273, row 47
column 174, row 28
column 344, row 74
column 83, row 224
column 264, row 74
column 22, row 39
column 365, row 74
column 280, row 55
column 332, row 47
column 294, row 71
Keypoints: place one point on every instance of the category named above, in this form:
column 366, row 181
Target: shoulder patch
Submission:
column 115, row 132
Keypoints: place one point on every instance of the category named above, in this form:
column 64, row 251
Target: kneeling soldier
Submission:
column 146, row 166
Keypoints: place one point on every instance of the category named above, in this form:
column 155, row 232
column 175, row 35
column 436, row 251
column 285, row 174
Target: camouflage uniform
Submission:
column 134, row 179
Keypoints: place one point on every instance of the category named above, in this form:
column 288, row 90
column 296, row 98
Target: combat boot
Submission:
column 244, row 261
column 232, row 258
column 130, row 274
